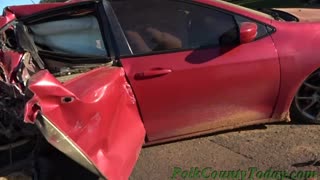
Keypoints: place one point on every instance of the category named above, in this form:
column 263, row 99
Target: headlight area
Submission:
column 64, row 144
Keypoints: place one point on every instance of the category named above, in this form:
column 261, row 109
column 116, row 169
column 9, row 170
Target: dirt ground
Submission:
column 278, row 146
column 290, row 147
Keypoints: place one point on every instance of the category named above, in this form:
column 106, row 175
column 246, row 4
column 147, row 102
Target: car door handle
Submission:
column 152, row 73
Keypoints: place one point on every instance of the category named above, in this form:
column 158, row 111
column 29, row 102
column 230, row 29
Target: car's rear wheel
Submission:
column 306, row 104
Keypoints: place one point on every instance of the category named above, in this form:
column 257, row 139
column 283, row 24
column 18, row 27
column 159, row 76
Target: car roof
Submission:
column 25, row 10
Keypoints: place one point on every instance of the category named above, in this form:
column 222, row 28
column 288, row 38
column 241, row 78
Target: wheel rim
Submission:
column 308, row 97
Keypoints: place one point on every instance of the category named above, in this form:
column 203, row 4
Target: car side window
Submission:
column 79, row 36
column 162, row 25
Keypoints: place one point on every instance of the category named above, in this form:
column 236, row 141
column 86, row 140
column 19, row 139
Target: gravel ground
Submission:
column 290, row 147
column 279, row 146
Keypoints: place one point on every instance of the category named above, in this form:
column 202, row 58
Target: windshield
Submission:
column 246, row 9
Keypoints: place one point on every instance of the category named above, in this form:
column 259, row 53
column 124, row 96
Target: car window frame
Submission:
column 119, row 44
column 270, row 29
column 100, row 16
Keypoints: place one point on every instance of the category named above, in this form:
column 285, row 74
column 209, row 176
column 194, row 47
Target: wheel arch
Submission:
column 288, row 91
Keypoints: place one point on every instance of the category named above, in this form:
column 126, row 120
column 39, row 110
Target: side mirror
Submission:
column 248, row 32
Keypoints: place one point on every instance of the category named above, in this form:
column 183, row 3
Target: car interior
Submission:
column 65, row 42
column 155, row 26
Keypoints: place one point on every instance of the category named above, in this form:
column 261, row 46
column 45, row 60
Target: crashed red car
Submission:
column 100, row 79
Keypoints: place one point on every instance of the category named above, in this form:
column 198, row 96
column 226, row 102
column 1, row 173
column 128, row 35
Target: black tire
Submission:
column 297, row 116
column 305, row 107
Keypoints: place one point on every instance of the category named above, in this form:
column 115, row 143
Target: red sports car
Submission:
column 100, row 79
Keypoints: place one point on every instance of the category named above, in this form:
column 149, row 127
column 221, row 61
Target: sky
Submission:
column 4, row 3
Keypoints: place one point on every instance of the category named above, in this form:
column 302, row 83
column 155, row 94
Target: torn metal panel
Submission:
column 15, row 70
column 97, row 112
column 8, row 80
column 10, row 62
column 7, row 17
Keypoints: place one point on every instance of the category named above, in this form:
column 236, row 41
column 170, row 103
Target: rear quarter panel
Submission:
column 296, row 44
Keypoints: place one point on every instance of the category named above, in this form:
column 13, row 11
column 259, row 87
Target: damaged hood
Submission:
column 303, row 14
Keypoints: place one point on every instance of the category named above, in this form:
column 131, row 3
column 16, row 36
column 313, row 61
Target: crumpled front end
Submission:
column 16, row 64
column 86, row 110
column 13, row 78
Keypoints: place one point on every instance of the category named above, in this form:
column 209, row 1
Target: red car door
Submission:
column 185, row 87
column 97, row 124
